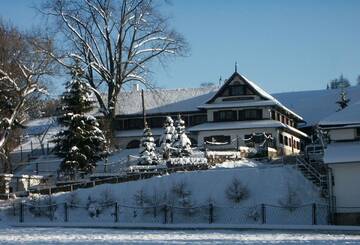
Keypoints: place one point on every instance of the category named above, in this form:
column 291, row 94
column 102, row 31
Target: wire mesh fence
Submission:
column 311, row 214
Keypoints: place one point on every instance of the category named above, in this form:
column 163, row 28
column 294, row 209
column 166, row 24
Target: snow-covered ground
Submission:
column 270, row 185
column 40, row 236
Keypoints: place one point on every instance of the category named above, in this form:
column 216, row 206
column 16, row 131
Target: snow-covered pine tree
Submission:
column 82, row 143
column 343, row 101
column 147, row 148
column 167, row 139
column 182, row 142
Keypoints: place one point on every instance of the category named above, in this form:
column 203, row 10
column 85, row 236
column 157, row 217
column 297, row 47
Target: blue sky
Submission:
column 281, row 45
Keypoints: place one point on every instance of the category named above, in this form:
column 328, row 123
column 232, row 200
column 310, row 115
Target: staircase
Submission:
column 316, row 172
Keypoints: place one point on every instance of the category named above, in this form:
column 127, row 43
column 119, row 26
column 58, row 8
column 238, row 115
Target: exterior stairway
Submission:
column 316, row 172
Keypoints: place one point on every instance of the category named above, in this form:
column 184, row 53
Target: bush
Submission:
column 182, row 196
column 73, row 200
column 236, row 191
column 291, row 201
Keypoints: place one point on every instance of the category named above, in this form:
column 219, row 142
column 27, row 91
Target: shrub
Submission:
column 236, row 191
column 291, row 201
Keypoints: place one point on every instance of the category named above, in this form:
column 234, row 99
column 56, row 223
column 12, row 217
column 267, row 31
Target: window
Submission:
column 273, row 115
column 250, row 114
column 358, row 132
column 286, row 142
column 237, row 90
column 221, row 116
column 135, row 123
column 133, row 144
column 197, row 119
column 281, row 139
column 259, row 139
column 156, row 122
column 217, row 139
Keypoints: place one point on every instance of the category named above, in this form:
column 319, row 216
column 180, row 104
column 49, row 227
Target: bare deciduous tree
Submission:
column 116, row 41
column 21, row 69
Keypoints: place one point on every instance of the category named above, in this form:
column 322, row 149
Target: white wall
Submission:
column 288, row 150
column 346, row 188
column 342, row 134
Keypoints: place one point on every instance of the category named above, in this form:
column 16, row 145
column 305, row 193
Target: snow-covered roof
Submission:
column 313, row 105
column 259, row 90
column 211, row 126
column 163, row 100
column 344, row 152
column 316, row 105
column 349, row 115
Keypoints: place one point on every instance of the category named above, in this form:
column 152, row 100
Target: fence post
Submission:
column 31, row 147
column 21, row 215
column 37, row 168
column 211, row 213
column 51, row 211
column 47, row 148
column 313, row 209
column 116, row 213
column 171, row 215
column 165, row 214
column 21, row 153
column 263, row 214
column 66, row 217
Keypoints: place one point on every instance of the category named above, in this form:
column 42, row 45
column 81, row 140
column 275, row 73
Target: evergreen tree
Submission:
column 340, row 82
column 343, row 101
column 182, row 143
column 167, row 138
column 147, row 148
column 82, row 143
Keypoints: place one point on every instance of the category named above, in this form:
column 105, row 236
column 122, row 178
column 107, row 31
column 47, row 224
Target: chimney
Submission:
column 135, row 88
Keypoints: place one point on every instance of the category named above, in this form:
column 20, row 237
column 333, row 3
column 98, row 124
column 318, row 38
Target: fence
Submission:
column 311, row 214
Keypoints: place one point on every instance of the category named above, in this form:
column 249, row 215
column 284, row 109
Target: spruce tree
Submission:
column 167, row 138
column 82, row 143
column 182, row 142
column 147, row 148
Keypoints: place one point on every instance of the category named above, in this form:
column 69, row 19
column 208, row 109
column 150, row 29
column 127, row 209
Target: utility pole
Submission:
column 143, row 107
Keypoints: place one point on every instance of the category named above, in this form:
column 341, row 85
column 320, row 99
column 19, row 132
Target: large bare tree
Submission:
column 116, row 41
column 22, row 68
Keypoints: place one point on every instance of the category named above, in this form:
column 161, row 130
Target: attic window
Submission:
column 236, row 90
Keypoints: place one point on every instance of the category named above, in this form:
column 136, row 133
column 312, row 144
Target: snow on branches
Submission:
column 147, row 148
column 182, row 142
column 82, row 144
column 117, row 41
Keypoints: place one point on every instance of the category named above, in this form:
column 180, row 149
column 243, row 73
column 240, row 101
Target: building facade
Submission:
column 238, row 113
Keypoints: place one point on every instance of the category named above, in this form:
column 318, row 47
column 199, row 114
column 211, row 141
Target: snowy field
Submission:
column 118, row 236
